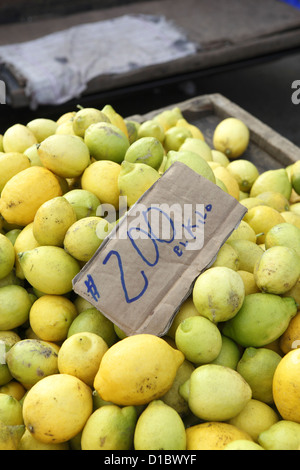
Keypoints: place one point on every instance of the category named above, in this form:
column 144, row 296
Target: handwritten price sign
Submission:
column 145, row 268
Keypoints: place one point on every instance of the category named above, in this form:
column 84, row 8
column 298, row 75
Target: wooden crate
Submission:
column 267, row 149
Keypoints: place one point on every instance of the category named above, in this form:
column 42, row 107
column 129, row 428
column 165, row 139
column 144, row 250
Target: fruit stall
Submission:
column 115, row 334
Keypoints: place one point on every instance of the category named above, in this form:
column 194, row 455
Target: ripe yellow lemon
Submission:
column 51, row 316
column 85, row 117
column 275, row 199
column 18, row 138
column 52, row 220
column 262, row 219
column 286, row 386
column 25, row 192
column 24, row 241
column 245, row 172
column 57, row 407
column 10, row 164
column 187, row 309
column 196, row 132
column 115, row 118
column 28, row 442
column 291, row 217
column 230, row 182
column 219, row 157
column 198, row 146
column 231, row 136
column 137, row 369
column 290, row 339
column 65, row 155
column 272, row 180
column 213, row 436
column 101, row 179
column 42, row 128
column 244, row 232
column 168, row 117
column 80, row 355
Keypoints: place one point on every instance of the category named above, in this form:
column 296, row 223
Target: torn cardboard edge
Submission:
column 140, row 283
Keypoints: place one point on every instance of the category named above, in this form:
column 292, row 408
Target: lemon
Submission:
column 290, row 338
column 248, row 253
column 199, row 146
column 66, row 117
column 218, row 293
column 24, row 241
column 66, row 128
column 213, row 436
column 244, row 171
column 255, row 418
column 295, row 177
column 137, row 370
column 9, row 337
column 65, row 155
column 135, row 179
column 244, row 231
column 187, row 309
column 217, row 393
column 44, row 265
column 133, row 128
column 101, row 179
column 52, row 220
column 262, row 219
column 10, row 436
column 196, row 132
column 243, row 195
column 1, row 143
column 295, row 208
column 48, row 405
column 229, row 354
column 10, row 410
column 262, row 318
column 173, row 397
column 231, row 136
column 147, row 150
column 228, row 257
column 84, row 237
column 250, row 202
column 272, row 180
column 219, row 157
column 81, row 304
column 159, row 427
column 283, row 435
column 115, row 118
column 85, row 203
column 80, row 355
column 276, row 200
column 110, row 428
column 243, row 444
column 257, row 366
column 25, row 192
column 249, row 282
column 286, row 386
column 7, row 256
column 18, row 138
column 106, row 141
column 28, row 442
column 11, row 163
column 15, row 305
column 230, row 182
column 13, row 234
column 93, row 321
column 85, row 117
column 29, row 360
column 284, row 234
column 51, row 316
column 291, row 218
column 151, row 128
column 168, row 117
column 14, row 389
column 193, row 161
column 198, row 339
column 42, row 128
column 277, row 270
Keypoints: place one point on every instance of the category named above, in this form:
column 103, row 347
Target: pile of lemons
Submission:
column 227, row 374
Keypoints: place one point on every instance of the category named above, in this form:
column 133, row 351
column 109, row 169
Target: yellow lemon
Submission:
column 290, row 339
column 25, row 192
column 85, row 117
column 228, row 257
column 151, row 128
column 24, row 241
column 52, row 220
column 11, row 163
column 65, row 155
column 42, row 128
column 231, row 136
column 219, row 157
column 291, row 218
column 44, row 265
column 66, row 117
column 66, row 128
column 32, row 154
column 244, row 231
column 57, row 407
column 101, row 179
column 10, row 436
column 230, row 182
column 168, row 117
column 137, row 369
column 295, row 208
column 28, row 442
column 51, row 316
column 245, row 172
column 250, row 202
column 249, row 281
column 10, row 410
column 295, row 177
column 1, row 143
column 272, row 180
column 255, row 418
column 243, row 444
column 213, row 435
column 80, row 355
column 187, row 309
column 198, row 146
column 115, row 118
column 262, row 219
column 196, row 132
column 175, row 137
column 134, row 180
column 7, row 256
column 286, row 386
column 18, row 138
column 275, row 199
column 283, row 435
column 14, row 389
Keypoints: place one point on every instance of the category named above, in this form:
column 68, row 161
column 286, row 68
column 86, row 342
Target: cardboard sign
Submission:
column 145, row 268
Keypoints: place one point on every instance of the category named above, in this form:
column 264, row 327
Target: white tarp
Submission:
column 58, row 66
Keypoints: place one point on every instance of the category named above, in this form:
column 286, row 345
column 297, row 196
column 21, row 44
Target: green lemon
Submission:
column 284, row 234
column 84, row 202
column 245, row 172
column 15, row 304
column 106, row 141
column 272, row 180
column 229, row 354
column 7, row 256
column 283, row 435
column 147, row 150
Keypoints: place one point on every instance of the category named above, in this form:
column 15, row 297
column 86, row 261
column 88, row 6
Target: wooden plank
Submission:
column 267, row 148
